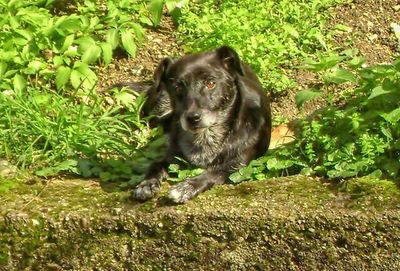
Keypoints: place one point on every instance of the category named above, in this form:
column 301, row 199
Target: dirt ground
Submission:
column 370, row 31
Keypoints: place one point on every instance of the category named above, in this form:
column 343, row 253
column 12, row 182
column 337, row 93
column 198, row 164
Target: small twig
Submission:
column 37, row 196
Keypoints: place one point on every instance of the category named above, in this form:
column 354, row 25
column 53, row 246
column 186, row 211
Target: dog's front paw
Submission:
column 182, row 192
column 146, row 189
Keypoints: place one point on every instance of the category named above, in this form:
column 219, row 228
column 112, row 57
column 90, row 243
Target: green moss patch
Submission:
column 295, row 223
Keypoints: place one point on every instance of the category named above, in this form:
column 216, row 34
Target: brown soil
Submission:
column 370, row 32
column 159, row 43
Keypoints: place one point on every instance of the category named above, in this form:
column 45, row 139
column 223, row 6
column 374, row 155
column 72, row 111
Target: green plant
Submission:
column 39, row 48
column 174, row 9
column 51, row 116
column 357, row 138
column 48, row 130
column 269, row 35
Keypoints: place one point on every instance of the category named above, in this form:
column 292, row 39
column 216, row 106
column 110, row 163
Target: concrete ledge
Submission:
column 295, row 223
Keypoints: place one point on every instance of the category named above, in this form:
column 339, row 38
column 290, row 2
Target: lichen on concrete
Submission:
column 296, row 223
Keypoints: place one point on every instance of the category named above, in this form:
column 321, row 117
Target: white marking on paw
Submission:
column 175, row 195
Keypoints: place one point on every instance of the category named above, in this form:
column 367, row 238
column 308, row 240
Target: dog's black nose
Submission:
column 193, row 118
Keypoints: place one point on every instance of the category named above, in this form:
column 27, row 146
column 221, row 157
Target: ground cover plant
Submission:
column 269, row 35
column 50, row 111
column 356, row 135
column 53, row 119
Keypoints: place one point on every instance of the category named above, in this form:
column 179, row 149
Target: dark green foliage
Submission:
column 359, row 137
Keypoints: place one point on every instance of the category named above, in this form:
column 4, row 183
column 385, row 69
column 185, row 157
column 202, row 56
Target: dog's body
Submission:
column 217, row 116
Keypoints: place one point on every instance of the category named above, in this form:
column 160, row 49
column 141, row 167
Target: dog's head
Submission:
column 201, row 86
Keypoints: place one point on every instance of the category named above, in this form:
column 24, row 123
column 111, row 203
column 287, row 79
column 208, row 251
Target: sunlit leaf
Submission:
column 339, row 75
column 128, row 41
column 305, row 96
column 393, row 117
column 19, row 82
column 63, row 75
column 107, row 52
column 377, row 91
column 92, row 54
column 112, row 37
column 155, row 9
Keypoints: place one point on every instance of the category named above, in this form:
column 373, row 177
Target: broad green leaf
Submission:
column 19, row 41
column 63, row 75
column 393, row 117
column 58, row 61
column 83, row 77
column 124, row 98
column 68, row 24
column 275, row 164
column 94, row 22
column 139, row 32
column 3, row 68
column 10, row 73
column 68, row 165
column 76, row 79
column 341, row 173
column 376, row 174
column 238, row 177
column 92, row 54
column 128, row 41
column 25, row 33
column 321, row 40
column 107, row 51
column 173, row 5
column 13, row 3
column 339, row 75
column 112, row 37
column 67, row 42
column 146, row 21
column 14, row 23
column 387, row 133
column 19, row 82
column 305, row 96
column 35, row 66
column 357, row 61
column 155, row 9
column 33, row 16
column 377, row 91
column 84, row 43
column 323, row 64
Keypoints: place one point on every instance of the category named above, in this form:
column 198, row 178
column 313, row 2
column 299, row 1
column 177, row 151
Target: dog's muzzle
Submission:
column 191, row 121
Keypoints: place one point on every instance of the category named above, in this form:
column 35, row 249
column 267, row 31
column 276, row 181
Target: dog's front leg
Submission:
column 184, row 191
column 152, row 183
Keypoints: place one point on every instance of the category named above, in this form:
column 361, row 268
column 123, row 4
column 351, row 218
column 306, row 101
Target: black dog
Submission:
column 218, row 118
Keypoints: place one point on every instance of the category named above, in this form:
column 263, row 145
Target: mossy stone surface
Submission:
column 296, row 223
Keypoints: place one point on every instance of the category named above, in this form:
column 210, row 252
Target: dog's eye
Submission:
column 210, row 84
column 178, row 85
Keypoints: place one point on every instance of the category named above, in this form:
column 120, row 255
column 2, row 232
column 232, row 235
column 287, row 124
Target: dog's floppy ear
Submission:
column 230, row 59
column 161, row 71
